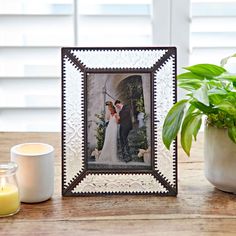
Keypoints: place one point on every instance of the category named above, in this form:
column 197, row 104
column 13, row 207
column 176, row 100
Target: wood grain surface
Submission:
column 199, row 208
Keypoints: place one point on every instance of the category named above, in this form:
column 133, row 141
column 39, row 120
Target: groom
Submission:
column 125, row 127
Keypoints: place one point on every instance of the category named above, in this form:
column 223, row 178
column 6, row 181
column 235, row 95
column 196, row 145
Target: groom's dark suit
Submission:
column 125, row 127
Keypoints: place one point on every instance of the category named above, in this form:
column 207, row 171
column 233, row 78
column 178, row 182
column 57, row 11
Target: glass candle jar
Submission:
column 9, row 191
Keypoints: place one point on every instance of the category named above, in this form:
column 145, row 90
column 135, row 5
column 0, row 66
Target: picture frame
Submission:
column 101, row 147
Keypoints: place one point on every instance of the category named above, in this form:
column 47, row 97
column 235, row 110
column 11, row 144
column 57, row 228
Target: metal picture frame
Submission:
column 86, row 74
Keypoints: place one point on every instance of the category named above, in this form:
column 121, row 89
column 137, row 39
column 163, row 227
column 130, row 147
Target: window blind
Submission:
column 213, row 30
column 114, row 23
column 30, row 41
column 31, row 35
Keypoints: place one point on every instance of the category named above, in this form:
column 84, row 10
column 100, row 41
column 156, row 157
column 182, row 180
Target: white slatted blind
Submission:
column 30, row 39
column 213, row 30
column 31, row 34
column 114, row 22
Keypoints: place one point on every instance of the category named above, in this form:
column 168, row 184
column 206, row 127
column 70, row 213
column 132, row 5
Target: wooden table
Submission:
column 199, row 209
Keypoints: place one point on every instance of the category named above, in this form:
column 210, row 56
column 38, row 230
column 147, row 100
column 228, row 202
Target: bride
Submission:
column 109, row 149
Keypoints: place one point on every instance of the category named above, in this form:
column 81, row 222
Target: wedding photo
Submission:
column 118, row 121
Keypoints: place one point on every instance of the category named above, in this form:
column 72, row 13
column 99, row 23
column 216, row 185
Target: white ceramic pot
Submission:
column 220, row 159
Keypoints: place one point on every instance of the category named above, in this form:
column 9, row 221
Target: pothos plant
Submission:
column 211, row 92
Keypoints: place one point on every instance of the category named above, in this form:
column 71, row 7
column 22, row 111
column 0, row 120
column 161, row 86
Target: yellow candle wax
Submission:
column 9, row 199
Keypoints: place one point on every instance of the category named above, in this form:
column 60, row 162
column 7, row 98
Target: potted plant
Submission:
column 211, row 93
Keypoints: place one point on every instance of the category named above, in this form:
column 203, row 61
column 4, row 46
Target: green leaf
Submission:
column 173, row 122
column 189, row 85
column 218, row 91
column 215, row 84
column 196, row 81
column 191, row 109
column 200, row 106
column 216, row 95
column 232, row 133
column 216, row 99
column 189, row 76
column 197, row 128
column 232, row 96
column 190, row 128
column 225, row 60
column 227, row 76
column 206, row 70
column 227, row 107
column 201, row 95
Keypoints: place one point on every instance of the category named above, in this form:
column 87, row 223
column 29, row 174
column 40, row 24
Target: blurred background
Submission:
column 32, row 33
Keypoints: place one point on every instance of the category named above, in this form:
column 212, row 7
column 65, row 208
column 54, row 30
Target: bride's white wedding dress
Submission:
column 109, row 150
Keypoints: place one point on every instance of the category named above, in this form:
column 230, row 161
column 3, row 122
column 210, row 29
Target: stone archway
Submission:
column 113, row 82
column 112, row 87
column 131, row 93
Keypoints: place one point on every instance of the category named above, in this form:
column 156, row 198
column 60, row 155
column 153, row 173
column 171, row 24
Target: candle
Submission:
column 9, row 193
column 36, row 171
column 9, row 198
